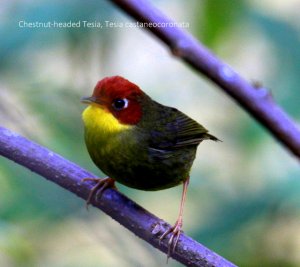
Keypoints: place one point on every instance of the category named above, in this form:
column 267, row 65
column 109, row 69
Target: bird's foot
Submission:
column 98, row 189
column 175, row 232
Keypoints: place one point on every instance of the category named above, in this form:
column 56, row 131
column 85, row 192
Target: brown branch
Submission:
column 256, row 101
column 129, row 214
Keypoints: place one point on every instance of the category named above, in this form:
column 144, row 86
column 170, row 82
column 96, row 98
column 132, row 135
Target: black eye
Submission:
column 120, row 104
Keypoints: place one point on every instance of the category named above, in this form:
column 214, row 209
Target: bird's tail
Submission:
column 211, row 137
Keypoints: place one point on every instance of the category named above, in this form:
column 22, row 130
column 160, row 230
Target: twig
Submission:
column 132, row 216
column 257, row 101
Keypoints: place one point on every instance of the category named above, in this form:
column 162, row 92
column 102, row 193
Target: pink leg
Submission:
column 176, row 229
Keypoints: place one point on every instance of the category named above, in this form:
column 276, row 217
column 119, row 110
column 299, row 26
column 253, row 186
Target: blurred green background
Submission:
column 244, row 196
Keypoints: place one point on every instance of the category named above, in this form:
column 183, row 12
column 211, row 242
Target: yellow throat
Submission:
column 100, row 121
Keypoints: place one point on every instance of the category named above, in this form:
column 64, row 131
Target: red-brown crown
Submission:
column 120, row 97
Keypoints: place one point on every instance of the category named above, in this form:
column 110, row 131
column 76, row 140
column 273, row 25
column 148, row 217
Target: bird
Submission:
column 140, row 143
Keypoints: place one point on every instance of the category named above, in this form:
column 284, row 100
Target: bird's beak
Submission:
column 88, row 100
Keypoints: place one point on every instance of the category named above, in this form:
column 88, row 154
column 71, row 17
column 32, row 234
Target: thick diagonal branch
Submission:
column 138, row 220
column 256, row 101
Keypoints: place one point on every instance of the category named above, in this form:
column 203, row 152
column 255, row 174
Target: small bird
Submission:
column 140, row 143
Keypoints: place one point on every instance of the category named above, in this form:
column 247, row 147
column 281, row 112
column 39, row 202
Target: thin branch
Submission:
column 257, row 101
column 129, row 214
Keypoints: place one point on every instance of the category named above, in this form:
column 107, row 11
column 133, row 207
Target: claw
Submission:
column 175, row 232
column 98, row 189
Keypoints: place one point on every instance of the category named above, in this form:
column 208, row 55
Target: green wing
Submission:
column 175, row 130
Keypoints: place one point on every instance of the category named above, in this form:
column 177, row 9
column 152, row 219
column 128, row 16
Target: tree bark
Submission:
column 258, row 102
column 129, row 214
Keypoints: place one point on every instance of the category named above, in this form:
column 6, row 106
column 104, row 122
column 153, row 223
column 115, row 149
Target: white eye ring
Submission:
column 120, row 103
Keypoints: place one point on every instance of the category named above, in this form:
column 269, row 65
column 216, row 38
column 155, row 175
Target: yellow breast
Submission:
column 101, row 131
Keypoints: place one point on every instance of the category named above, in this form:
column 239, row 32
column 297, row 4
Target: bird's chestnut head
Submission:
column 118, row 96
